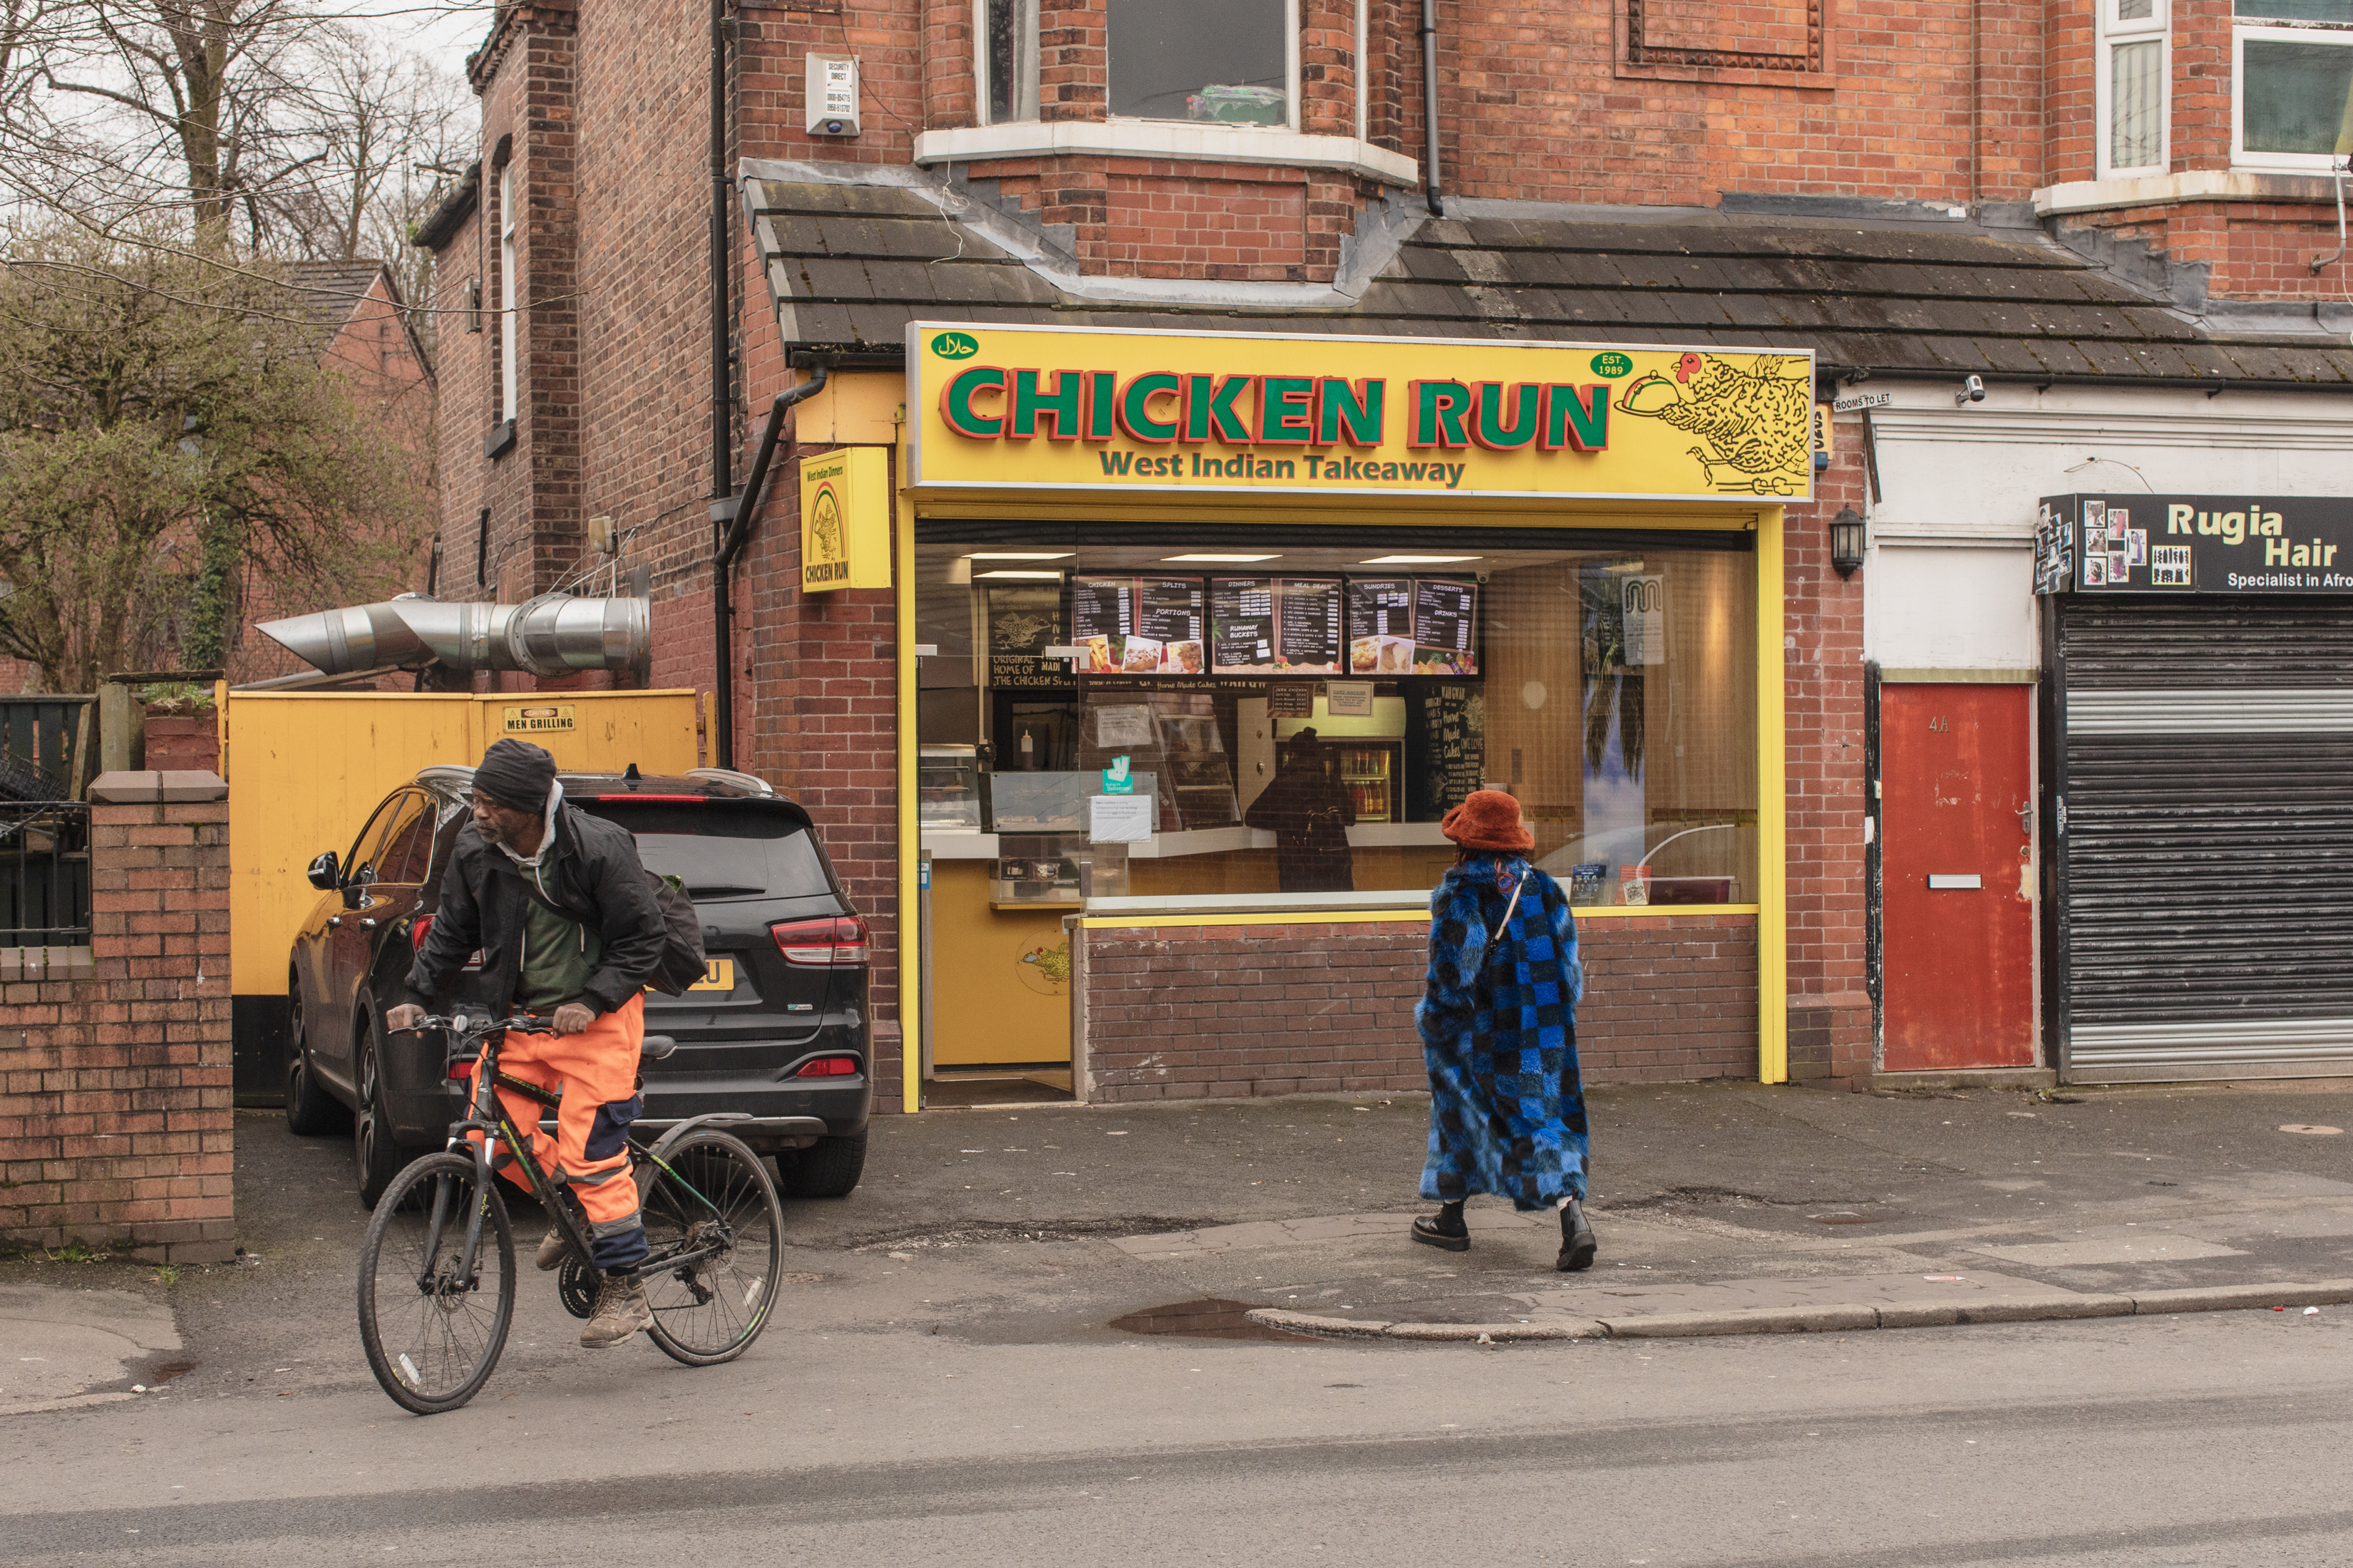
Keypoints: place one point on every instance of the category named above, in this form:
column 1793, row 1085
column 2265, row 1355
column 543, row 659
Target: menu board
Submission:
column 1307, row 626
column 1445, row 625
column 1380, row 625
column 1168, row 614
column 1241, row 624
column 1024, row 620
column 1103, row 620
column 1446, row 747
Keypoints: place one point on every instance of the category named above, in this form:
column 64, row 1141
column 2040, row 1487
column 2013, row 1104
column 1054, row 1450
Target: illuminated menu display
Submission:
column 1307, row 626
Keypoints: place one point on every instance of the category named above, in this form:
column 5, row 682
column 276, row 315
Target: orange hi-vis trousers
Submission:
column 596, row 1072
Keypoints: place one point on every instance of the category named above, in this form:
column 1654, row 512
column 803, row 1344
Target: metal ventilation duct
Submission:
column 554, row 635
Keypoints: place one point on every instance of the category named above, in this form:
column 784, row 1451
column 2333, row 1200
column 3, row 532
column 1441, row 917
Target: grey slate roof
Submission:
column 1883, row 286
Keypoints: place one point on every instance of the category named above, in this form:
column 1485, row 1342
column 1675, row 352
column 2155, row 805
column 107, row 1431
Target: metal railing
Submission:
column 44, row 874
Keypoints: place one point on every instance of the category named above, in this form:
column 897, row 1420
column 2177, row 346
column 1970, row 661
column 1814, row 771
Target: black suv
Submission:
column 778, row 1031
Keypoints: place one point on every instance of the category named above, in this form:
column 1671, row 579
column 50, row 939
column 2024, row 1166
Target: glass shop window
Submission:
column 1299, row 718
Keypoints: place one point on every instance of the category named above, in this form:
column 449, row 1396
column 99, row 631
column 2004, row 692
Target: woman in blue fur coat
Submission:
column 1498, row 1021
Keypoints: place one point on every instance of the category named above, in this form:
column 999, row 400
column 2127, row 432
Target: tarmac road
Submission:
column 945, row 1380
column 2210, row 1439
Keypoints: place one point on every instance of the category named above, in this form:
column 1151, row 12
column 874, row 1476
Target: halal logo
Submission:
column 956, row 345
column 1612, row 366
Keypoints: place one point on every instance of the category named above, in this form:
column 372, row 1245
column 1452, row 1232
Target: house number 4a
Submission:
column 1942, row 726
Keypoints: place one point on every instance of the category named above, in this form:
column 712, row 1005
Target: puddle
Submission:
column 170, row 1370
column 1209, row 1318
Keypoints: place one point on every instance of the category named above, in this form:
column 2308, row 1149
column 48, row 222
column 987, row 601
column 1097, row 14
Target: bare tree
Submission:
column 210, row 86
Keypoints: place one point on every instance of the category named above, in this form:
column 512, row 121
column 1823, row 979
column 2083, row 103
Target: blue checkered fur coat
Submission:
column 1498, row 1022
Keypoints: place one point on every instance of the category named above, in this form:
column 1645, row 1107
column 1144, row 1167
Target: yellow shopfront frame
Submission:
column 918, row 498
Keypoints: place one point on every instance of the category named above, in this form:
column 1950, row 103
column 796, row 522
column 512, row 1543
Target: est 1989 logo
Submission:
column 1612, row 366
column 956, row 345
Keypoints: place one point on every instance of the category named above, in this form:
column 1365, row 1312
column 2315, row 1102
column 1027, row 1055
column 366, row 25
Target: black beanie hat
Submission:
column 517, row 775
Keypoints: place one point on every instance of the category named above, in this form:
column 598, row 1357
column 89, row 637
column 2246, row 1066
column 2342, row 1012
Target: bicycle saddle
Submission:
column 656, row 1047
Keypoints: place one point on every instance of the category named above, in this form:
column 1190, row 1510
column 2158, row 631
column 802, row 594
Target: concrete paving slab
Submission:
column 2129, row 1245
column 59, row 1347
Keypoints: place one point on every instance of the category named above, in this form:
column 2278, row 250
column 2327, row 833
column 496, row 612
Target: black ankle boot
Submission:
column 1445, row 1228
column 1576, row 1243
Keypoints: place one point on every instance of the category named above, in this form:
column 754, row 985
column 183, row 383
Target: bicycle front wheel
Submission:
column 433, row 1325
column 716, row 1232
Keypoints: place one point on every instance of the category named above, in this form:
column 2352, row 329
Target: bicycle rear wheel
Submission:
column 432, row 1332
column 716, row 1233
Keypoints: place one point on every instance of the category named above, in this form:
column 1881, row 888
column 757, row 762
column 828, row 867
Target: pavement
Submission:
column 1722, row 1209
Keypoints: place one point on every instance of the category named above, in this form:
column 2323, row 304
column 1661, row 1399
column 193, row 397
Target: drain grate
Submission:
column 1211, row 1318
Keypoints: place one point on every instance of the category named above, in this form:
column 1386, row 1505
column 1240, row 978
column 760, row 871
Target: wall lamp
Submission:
column 1846, row 541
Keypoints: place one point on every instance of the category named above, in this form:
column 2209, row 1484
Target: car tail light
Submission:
column 828, row 1066
column 840, row 941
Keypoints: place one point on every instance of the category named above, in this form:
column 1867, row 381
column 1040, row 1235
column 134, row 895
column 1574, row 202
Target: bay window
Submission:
column 2292, row 81
column 2132, row 74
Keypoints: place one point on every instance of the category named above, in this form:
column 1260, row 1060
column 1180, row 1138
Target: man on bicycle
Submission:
column 564, row 914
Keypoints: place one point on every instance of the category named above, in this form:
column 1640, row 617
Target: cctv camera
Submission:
column 1972, row 390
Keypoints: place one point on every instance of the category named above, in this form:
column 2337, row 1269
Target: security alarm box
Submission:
column 832, row 97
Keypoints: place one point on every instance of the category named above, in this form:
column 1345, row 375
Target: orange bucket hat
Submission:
column 1489, row 819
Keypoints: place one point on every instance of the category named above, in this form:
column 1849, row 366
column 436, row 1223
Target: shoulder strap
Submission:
column 1518, row 887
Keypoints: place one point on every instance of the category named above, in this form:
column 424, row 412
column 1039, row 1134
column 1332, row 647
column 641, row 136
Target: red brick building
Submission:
column 2091, row 222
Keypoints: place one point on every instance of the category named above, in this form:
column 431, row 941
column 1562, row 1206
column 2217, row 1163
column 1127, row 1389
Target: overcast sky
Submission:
column 447, row 30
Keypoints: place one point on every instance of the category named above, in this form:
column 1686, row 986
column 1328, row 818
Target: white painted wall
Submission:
column 1948, row 576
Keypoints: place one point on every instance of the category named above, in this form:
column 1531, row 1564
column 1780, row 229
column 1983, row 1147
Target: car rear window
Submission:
column 722, row 850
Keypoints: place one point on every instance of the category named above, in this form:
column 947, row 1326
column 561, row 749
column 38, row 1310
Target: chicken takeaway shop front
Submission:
column 2197, row 737
column 1203, row 633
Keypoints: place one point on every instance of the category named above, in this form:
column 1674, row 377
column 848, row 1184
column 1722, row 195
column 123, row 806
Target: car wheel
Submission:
column 830, row 1168
column 311, row 1110
column 378, row 1157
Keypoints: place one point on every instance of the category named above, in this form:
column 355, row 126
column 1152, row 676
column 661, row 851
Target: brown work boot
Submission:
column 621, row 1310
column 552, row 1250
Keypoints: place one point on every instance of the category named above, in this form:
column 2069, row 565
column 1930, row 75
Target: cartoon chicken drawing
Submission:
column 1752, row 422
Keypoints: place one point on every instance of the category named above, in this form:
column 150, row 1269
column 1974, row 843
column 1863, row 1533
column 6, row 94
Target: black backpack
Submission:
column 682, row 965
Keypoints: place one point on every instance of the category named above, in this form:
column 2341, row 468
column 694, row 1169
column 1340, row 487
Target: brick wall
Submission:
column 115, row 1123
column 1822, row 696
column 1192, row 1011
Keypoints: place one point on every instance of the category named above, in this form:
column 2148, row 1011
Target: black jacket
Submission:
column 596, row 879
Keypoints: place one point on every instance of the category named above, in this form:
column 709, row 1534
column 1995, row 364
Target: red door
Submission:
column 1958, row 911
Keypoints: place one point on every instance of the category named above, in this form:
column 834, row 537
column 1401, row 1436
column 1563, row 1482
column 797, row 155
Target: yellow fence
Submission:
column 305, row 769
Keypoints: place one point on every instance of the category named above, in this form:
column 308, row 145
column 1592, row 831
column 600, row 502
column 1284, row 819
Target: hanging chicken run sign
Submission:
column 1031, row 408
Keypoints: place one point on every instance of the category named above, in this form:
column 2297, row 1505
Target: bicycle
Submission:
column 437, row 1280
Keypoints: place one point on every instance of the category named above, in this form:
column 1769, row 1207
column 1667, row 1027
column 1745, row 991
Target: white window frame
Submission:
column 1291, row 70
column 980, row 66
column 2110, row 33
column 2288, row 33
column 509, row 395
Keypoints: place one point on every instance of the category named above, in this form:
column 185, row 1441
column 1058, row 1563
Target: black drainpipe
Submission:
column 1429, row 105
column 737, row 517
column 723, row 414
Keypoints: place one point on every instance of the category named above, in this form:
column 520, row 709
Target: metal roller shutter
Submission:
column 2207, row 889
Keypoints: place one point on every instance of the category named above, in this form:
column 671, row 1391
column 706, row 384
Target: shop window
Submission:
column 2131, row 82
column 1300, row 715
column 1229, row 62
column 2292, row 74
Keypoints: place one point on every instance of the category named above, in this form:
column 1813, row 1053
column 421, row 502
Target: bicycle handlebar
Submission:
column 474, row 1029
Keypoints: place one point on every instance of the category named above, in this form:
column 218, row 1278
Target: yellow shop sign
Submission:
column 845, row 521
column 1062, row 407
